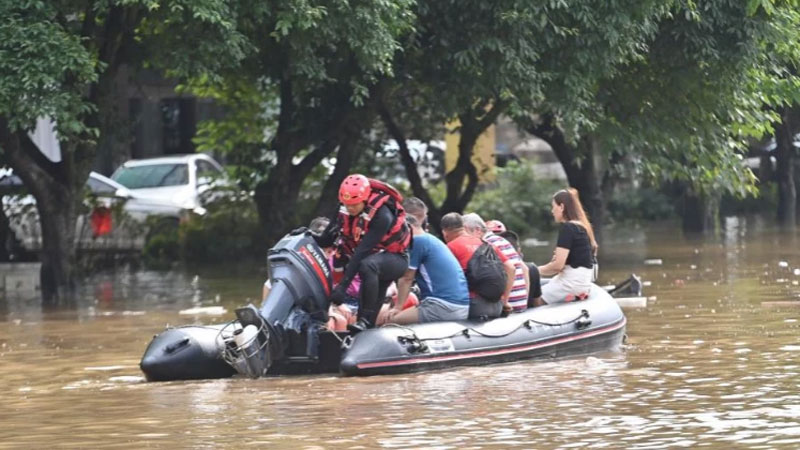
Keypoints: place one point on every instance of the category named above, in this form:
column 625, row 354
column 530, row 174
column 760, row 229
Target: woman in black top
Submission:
column 572, row 263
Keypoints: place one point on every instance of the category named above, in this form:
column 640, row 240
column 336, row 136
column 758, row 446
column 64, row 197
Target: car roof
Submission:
column 171, row 159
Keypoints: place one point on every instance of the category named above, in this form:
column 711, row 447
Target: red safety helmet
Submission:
column 495, row 226
column 354, row 189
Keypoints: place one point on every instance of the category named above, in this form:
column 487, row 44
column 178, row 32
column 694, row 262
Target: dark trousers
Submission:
column 482, row 309
column 535, row 290
column 377, row 272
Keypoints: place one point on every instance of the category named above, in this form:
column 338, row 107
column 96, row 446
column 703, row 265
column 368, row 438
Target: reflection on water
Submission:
column 713, row 361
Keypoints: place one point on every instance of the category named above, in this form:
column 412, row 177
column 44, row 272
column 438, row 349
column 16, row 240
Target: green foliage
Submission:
column 53, row 52
column 640, row 204
column 162, row 249
column 517, row 199
column 688, row 107
column 765, row 202
column 210, row 238
column 44, row 68
column 244, row 132
column 531, row 56
column 227, row 232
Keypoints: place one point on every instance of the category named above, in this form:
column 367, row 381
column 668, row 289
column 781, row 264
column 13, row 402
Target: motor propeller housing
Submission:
column 284, row 325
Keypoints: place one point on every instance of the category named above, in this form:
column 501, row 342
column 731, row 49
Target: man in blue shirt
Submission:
column 442, row 284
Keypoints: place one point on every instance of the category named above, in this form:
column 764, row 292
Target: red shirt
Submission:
column 465, row 245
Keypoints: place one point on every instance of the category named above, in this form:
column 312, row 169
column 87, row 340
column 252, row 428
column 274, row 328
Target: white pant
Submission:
column 570, row 281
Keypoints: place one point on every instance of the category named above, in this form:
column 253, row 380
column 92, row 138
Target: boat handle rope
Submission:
column 334, row 333
column 467, row 330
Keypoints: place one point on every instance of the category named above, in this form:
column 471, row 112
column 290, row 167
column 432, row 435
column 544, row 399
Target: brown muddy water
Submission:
column 713, row 361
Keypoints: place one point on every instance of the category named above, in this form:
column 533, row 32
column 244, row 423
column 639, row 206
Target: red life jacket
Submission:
column 396, row 240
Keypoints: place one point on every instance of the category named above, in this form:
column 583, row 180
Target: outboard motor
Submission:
column 285, row 326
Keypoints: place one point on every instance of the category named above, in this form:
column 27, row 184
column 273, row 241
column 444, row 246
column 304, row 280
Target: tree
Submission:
column 311, row 84
column 474, row 60
column 778, row 84
column 685, row 109
column 59, row 59
column 785, row 157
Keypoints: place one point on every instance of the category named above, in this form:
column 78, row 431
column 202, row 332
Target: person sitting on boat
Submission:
column 534, row 279
column 574, row 255
column 463, row 247
column 516, row 297
column 442, row 284
column 371, row 238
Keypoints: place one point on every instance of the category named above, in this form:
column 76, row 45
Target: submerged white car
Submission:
column 180, row 180
column 132, row 217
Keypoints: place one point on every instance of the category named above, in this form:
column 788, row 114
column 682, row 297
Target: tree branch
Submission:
column 410, row 166
column 23, row 155
column 327, row 204
column 304, row 167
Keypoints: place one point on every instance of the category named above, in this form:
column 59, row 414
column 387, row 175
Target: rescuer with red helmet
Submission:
column 371, row 238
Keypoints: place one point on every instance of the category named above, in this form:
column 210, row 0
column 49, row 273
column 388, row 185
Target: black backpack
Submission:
column 486, row 275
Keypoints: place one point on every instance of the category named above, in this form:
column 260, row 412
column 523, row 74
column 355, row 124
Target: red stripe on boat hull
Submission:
column 403, row 362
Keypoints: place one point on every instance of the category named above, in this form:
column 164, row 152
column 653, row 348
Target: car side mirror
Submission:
column 122, row 193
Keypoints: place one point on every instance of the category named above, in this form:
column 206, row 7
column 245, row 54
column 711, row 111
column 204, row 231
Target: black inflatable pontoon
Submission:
column 288, row 334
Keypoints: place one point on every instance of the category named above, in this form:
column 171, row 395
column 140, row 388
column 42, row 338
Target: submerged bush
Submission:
column 228, row 231
column 517, row 199
column 641, row 204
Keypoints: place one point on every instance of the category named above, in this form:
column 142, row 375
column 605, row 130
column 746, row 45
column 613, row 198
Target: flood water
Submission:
column 712, row 361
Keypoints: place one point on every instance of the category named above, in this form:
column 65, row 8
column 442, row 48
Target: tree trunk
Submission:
column 276, row 198
column 473, row 124
column 328, row 202
column 58, row 220
column 583, row 173
column 114, row 146
column 699, row 213
column 410, row 166
column 56, row 190
column 5, row 234
column 787, row 193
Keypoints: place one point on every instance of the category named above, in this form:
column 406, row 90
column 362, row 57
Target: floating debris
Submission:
column 127, row 379
column 533, row 242
column 783, row 264
column 781, row 303
column 106, row 368
column 592, row 361
column 632, row 302
column 210, row 310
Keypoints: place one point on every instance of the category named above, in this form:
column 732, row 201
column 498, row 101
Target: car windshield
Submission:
column 152, row 175
column 98, row 187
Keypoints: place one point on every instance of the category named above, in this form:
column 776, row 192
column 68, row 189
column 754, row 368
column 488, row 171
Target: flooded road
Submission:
column 713, row 361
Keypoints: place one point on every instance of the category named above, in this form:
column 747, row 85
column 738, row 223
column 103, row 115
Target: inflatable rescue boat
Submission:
column 288, row 334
